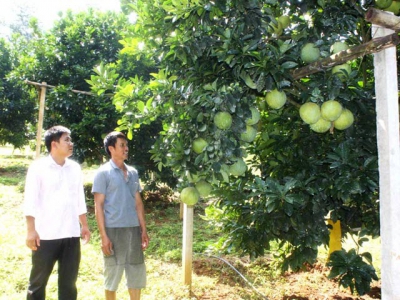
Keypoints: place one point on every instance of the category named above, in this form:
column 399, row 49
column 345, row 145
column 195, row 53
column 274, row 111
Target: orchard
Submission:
column 279, row 153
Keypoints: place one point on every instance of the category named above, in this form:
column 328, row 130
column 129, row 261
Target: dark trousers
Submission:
column 67, row 252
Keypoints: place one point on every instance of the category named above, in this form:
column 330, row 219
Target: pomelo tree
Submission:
column 222, row 56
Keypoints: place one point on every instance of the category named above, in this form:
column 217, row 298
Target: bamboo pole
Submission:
column 42, row 99
column 187, row 244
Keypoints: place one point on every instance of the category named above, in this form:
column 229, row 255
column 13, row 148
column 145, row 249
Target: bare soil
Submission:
column 310, row 284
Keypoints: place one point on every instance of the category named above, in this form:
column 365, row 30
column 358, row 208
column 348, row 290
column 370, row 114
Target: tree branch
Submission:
column 37, row 84
column 373, row 46
column 383, row 18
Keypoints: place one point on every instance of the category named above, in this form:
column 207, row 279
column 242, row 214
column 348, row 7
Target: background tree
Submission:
column 16, row 104
column 65, row 57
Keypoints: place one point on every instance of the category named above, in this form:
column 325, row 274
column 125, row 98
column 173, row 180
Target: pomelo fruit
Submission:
column 238, row 168
column 339, row 46
column 342, row 71
column 284, row 20
column 223, row 120
column 331, row 110
column 203, row 187
column 394, row 7
column 275, row 99
column 382, row 4
column 309, row 53
column 310, row 112
column 321, row 126
column 249, row 135
column 199, row 145
column 345, row 120
column 190, row 195
column 255, row 116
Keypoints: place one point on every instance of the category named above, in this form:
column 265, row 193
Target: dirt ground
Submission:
column 312, row 284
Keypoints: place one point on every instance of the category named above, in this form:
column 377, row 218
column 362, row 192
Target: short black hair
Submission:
column 111, row 139
column 54, row 134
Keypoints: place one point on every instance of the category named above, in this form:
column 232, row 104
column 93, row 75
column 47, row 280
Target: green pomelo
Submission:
column 321, row 126
column 203, row 187
column 255, row 116
column 345, row 120
column 331, row 110
column 309, row 53
column 339, row 46
column 382, row 4
column 275, row 99
column 223, row 120
column 284, row 20
column 249, row 135
column 199, row 145
column 342, row 71
column 394, row 7
column 190, row 195
column 310, row 112
column 238, row 168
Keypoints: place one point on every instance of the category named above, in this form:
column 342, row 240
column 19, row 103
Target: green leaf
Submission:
column 289, row 65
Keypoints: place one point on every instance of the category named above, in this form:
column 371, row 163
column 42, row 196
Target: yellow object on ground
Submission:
column 335, row 236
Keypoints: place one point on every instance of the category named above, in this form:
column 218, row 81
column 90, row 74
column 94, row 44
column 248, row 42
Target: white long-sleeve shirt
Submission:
column 54, row 197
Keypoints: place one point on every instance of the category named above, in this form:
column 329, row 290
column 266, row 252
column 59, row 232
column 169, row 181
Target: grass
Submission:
column 212, row 278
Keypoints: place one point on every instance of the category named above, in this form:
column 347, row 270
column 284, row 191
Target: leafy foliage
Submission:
column 16, row 107
column 352, row 271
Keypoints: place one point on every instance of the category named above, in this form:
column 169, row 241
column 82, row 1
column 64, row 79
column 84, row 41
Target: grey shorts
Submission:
column 128, row 256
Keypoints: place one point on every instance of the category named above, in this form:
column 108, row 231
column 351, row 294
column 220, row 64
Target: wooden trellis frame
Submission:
column 42, row 89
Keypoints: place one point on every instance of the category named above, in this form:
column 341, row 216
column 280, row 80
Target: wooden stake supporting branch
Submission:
column 383, row 18
column 187, row 244
column 42, row 99
column 373, row 46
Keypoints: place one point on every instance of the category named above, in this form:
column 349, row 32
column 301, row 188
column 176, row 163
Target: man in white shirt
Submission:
column 55, row 211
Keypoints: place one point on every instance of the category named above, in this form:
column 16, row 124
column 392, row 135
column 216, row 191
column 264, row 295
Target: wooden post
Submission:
column 42, row 99
column 387, row 110
column 187, row 244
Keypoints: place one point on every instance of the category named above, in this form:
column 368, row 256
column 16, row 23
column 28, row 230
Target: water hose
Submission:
column 233, row 268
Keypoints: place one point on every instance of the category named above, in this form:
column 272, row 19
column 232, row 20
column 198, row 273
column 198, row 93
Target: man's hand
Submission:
column 106, row 246
column 33, row 240
column 145, row 240
column 85, row 235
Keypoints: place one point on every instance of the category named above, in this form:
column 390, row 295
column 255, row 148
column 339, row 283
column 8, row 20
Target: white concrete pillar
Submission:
column 387, row 109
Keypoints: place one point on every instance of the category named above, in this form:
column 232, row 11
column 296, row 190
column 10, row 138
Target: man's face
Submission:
column 120, row 151
column 64, row 147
